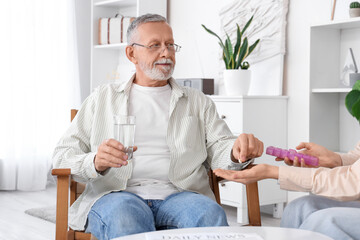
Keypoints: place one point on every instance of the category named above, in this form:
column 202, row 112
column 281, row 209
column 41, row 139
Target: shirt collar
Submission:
column 176, row 88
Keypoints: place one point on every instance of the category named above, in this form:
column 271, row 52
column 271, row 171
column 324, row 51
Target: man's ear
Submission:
column 130, row 54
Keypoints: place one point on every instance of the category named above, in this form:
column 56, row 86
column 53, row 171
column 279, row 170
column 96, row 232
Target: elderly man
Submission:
column 178, row 132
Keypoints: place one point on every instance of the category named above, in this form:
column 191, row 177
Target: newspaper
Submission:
column 204, row 236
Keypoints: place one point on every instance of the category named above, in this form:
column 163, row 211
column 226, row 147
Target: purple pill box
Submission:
column 291, row 154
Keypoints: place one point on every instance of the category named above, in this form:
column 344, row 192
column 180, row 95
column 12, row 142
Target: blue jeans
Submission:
column 336, row 219
column 122, row 213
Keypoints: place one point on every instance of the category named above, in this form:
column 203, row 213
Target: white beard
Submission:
column 157, row 74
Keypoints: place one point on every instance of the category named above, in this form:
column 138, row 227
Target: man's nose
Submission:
column 164, row 51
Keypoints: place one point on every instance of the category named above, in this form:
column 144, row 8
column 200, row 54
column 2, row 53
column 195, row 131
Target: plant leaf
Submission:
column 226, row 60
column 252, row 47
column 356, row 110
column 227, row 55
column 247, row 25
column 351, row 98
column 243, row 51
column 245, row 65
column 238, row 42
column 229, row 50
column 232, row 63
column 211, row 32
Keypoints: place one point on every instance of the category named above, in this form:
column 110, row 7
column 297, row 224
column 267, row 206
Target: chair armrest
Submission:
column 61, row 171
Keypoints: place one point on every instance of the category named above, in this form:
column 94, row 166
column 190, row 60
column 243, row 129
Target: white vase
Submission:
column 354, row 12
column 237, row 81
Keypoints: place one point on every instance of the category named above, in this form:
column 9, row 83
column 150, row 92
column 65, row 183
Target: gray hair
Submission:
column 132, row 29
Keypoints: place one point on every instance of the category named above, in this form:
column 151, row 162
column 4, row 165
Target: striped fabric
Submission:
column 196, row 137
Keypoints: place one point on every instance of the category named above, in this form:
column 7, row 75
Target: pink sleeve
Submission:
column 350, row 157
column 340, row 183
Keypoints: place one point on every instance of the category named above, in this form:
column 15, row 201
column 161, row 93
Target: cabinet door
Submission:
column 232, row 113
column 232, row 193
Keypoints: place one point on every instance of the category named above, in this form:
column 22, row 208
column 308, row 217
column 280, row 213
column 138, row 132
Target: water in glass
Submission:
column 124, row 132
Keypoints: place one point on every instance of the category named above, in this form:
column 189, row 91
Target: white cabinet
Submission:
column 266, row 118
column 108, row 62
column 330, row 124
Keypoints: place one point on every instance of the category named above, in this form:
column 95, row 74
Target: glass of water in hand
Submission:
column 124, row 132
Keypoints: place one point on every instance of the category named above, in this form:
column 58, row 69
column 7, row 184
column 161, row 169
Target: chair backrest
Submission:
column 76, row 188
column 252, row 193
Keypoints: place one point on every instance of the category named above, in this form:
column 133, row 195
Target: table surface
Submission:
column 267, row 233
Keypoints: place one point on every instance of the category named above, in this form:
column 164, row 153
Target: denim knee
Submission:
column 215, row 216
column 119, row 215
column 187, row 209
column 329, row 222
column 305, row 201
column 207, row 215
column 318, row 219
column 297, row 210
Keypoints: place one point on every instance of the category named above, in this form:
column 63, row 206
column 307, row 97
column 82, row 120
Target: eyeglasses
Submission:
column 172, row 47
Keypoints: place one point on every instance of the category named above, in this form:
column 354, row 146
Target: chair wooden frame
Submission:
column 252, row 197
column 66, row 184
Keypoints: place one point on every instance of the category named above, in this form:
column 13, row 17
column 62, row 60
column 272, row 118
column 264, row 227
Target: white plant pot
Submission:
column 354, row 12
column 237, row 81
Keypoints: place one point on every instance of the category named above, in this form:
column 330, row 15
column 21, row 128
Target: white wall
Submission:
column 200, row 52
column 83, row 20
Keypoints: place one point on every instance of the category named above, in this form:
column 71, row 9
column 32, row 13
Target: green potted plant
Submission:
column 354, row 10
column 237, row 74
column 352, row 101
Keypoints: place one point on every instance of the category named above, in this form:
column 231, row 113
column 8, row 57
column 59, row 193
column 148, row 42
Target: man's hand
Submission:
column 326, row 157
column 246, row 147
column 251, row 174
column 111, row 153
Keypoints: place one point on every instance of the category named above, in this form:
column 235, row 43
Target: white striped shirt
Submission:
column 196, row 136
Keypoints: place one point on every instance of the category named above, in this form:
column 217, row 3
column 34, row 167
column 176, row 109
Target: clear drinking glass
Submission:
column 124, row 132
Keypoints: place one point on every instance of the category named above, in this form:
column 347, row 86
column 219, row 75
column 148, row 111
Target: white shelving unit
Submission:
column 331, row 90
column 109, row 62
column 115, row 46
column 330, row 124
column 266, row 118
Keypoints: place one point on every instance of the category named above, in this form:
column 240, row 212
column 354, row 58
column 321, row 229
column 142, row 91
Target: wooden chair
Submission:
column 64, row 183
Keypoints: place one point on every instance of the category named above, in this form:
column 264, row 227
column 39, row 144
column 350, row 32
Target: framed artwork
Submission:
column 268, row 25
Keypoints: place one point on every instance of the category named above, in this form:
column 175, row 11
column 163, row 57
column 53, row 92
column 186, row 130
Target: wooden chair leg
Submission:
column 214, row 183
column 62, row 203
column 252, row 195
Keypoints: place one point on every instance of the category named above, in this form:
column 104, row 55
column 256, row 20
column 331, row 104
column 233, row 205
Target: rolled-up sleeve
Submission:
column 350, row 157
column 341, row 183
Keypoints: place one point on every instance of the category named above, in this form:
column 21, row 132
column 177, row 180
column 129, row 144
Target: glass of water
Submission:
column 124, row 132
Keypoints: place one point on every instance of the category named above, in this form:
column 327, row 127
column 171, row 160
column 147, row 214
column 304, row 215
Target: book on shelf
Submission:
column 114, row 30
column 103, row 31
